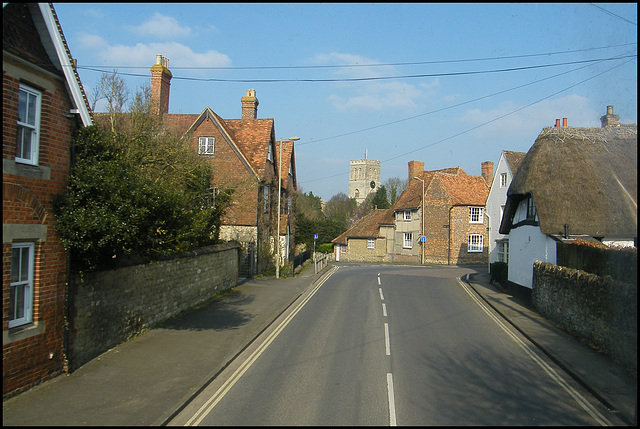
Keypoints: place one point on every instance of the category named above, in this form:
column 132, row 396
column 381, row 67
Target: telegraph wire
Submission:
column 465, row 73
column 480, row 125
column 445, row 108
column 92, row 67
column 613, row 14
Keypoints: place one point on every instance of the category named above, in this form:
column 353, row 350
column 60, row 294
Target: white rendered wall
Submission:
column 528, row 244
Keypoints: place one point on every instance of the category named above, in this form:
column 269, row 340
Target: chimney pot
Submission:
column 557, row 122
column 160, row 85
column 564, row 122
column 250, row 105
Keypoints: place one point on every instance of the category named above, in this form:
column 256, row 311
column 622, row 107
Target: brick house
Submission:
column 288, row 188
column 243, row 153
column 43, row 104
column 368, row 240
column 454, row 227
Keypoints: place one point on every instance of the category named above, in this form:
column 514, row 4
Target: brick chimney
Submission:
column 250, row 105
column 487, row 172
column 160, row 83
column 415, row 169
column 610, row 120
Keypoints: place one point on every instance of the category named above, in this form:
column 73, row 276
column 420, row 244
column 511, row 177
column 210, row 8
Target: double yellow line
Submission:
column 197, row 418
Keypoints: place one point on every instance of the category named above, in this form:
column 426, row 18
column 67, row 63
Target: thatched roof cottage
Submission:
column 573, row 182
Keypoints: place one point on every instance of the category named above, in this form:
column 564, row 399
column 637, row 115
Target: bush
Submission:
column 325, row 248
column 500, row 272
column 113, row 209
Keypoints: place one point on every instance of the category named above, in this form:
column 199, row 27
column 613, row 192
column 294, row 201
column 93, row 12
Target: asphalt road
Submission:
column 390, row 345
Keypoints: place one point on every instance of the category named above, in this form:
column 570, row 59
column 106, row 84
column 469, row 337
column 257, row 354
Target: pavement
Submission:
column 149, row 379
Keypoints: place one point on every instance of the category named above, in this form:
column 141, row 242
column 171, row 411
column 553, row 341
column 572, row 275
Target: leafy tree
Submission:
column 112, row 210
column 138, row 191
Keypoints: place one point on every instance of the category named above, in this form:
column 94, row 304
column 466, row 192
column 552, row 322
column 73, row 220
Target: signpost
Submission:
column 315, row 237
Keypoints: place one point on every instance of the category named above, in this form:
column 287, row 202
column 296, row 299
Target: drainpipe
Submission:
column 488, row 240
column 450, row 232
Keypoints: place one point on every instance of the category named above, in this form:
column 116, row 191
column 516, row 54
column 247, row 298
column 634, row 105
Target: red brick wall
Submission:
column 228, row 171
column 447, row 230
column 36, row 356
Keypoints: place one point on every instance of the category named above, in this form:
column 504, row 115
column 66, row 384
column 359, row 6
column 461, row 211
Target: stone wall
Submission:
column 598, row 310
column 112, row 306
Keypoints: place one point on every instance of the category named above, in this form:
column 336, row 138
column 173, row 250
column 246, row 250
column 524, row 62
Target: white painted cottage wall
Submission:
column 496, row 199
column 528, row 244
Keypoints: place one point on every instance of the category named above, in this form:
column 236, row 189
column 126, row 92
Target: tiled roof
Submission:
column 287, row 160
column 410, row 198
column 368, row 226
column 253, row 137
column 465, row 190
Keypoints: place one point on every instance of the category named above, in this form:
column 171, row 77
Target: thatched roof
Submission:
column 583, row 177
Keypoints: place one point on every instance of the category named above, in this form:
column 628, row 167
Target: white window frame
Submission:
column 21, row 278
column 503, row 180
column 206, row 145
column 32, row 156
column 503, row 251
column 407, row 242
column 476, row 243
column 343, row 248
column 476, row 214
column 407, row 215
column 371, row 243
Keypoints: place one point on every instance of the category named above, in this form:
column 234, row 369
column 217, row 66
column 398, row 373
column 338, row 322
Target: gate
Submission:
column 246, row 260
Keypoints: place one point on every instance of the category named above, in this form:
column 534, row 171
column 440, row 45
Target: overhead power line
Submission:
column 463, row 73
column 480, row 125
column 613, row 14
column 414, row 63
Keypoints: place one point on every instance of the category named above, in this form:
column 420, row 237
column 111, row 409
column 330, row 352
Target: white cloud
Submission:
column 375, row 94
column 531, row 120
column 144, row 54
column 163, row 27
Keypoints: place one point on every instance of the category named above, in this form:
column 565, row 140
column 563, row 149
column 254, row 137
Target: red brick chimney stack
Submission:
column 415, row 169
column 160, row 84
column 250, row 105
column 487, row 172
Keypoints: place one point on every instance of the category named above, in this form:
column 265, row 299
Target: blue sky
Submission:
column 448, row 84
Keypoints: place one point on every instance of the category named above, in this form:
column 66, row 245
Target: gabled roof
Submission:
column 513, row 160
column 583, row 177
column 249, row 138
column 463, row 189
column 253, row 137
column 368, row 226
column 50, row 52
column 288, row 162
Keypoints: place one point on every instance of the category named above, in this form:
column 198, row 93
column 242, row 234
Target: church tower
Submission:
column 364, row 178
